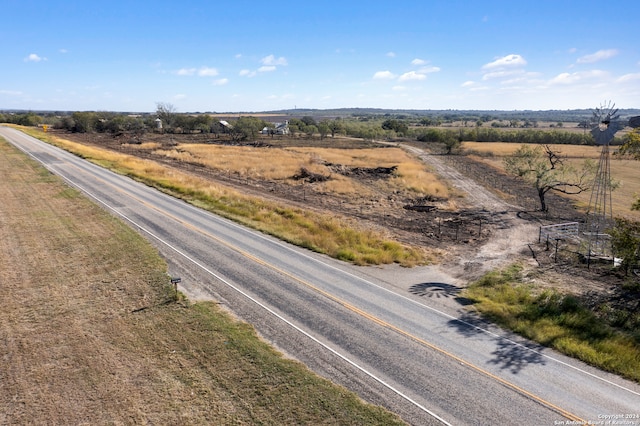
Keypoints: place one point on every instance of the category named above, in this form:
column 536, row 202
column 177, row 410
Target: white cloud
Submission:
column 63, row 51
column 501, row 74
column 269, row 64
column 180, row 96
column 34, row 58
column 391, row 54
column 473, row 86
column 200, row 72
column 10, row 92
column 600, row 55
column 428, row 70
column 566, row 78
column 207, row 72
column 418, row 75
column 186, row 71
column 628, row 77
column 412, row 76
column 221, row 82
column 399, row 88
column 271, row 60
column 512, row 60
column 384, row 75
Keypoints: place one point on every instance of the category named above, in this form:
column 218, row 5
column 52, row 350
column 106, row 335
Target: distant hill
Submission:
column 574, row 115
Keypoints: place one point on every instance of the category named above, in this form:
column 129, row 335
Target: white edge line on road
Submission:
column 493, row 334
column 444, row 314
column 221, row 279
column 281, row 318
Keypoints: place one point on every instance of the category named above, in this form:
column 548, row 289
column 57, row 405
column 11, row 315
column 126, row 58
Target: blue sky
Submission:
column 259, row 55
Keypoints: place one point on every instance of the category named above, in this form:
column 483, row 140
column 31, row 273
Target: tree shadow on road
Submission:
column 515, row 356
column 508, row 354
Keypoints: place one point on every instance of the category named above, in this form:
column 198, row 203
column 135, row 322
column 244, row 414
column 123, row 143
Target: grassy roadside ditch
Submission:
column 556, row 320
column 325, row 234
column 92, row 334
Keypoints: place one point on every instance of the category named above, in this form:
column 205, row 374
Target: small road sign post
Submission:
column 175, row 282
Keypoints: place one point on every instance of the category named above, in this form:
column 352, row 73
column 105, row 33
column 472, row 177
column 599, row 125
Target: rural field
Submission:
column 623, row 171
column 92, row 333
column 364, row 194
column 382, row 190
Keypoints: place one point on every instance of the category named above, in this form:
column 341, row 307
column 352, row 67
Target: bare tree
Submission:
column 167, row 113
column 548, row 171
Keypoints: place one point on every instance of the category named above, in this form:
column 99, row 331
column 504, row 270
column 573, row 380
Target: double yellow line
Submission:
column 354, row 309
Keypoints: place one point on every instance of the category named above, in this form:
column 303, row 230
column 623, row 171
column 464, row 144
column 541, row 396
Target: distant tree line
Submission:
column 434, row 117
column 503, row 127
column 529, row 136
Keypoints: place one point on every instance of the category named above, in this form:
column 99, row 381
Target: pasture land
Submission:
column 285, row 164
column 625, row 172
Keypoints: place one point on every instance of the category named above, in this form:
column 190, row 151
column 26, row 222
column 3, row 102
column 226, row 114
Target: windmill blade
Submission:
column 634, row 121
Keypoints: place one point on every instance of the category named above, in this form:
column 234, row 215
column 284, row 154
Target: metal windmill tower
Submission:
column 604, row 125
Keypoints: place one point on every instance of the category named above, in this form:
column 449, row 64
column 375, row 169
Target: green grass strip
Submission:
column 556, row 320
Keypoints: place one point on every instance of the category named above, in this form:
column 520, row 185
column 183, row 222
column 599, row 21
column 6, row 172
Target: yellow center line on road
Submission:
column 351, row 307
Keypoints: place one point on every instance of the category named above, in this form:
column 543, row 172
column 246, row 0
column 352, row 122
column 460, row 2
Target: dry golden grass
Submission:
column 144, row 145
column 324, row 233
column 501, row 149
column 413, row 176
column 284, row 163
column 623, row 171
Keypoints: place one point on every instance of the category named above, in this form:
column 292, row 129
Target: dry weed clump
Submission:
column 342, row 185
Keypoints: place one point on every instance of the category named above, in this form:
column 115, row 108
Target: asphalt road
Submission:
column 421, row 357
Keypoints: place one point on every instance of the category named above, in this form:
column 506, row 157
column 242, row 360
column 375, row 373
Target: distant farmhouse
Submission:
column 278, row 129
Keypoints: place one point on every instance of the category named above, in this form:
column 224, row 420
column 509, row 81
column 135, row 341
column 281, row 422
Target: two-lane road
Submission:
column 393, row 348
